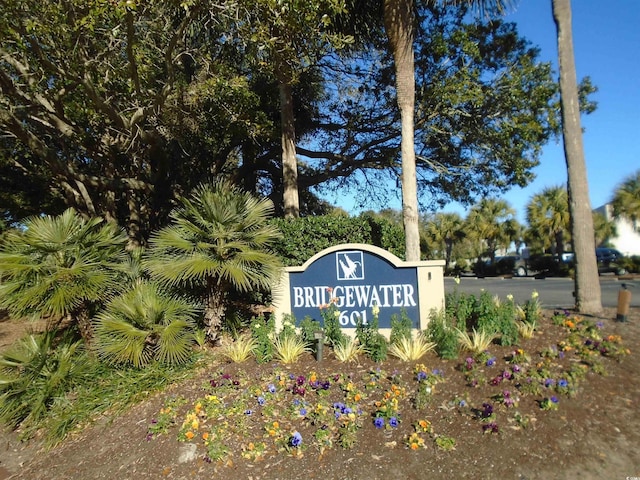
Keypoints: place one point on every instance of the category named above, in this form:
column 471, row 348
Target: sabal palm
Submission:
column 588, row 294
column 548, row 215
column 626, row 199
column 219, row 240
column 603, row 229
column 145, row 324
column 59, row 267
column 490, row 222
column 445, row 229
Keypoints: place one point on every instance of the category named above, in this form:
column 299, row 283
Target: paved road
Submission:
column 554, row 292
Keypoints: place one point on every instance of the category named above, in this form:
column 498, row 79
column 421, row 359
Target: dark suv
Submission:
column 507, row 265
column 609, row 261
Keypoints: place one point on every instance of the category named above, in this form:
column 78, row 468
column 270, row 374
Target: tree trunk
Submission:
column 289, row 162
column 398, row 20
column 85, row 326
column 214, row 310
column 587, row 283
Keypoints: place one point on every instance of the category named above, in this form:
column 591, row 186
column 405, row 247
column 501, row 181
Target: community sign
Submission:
column 361, row 280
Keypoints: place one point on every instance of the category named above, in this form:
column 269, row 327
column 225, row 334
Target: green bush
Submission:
column 146, row 324
column 332, row 330
column 630, row 264
column 373, row 342
column 306, row 236
column 460, row 308
column 308, row 327
column 401, row 327
column 263, row 330
column 441, row 331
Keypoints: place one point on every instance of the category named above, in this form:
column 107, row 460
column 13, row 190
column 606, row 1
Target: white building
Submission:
column 627, row 240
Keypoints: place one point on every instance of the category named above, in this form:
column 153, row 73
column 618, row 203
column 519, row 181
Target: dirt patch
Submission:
column 593, row 434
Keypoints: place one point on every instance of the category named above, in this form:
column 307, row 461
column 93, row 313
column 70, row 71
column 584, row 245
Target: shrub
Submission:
column 411, row 348
column 241, row 349
column 332, row 331
column 401, row 327
column 33, row 375
column 348, row 349
column 372, row 341
column 308, row 328
column 263, row 331
column 306, row 236
column 442, row 331
column 477, row 341
column 144, row 325
column 289, row 348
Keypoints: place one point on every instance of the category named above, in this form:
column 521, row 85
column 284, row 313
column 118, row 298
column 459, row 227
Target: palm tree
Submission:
column 548, row 217
column 145, row 324
column 399, row 24
column 444, row 229
column 492, row 223
column 61, row 268
column 626, row 200
column 603, row 229
column 587, row 285
column 219, row 241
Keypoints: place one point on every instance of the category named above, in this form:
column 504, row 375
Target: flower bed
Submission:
column 256, row 412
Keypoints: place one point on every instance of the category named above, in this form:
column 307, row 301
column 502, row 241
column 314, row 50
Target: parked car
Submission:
column 505, row 265
column 609, row 261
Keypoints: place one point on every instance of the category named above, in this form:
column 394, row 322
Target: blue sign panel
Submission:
column 358, row 282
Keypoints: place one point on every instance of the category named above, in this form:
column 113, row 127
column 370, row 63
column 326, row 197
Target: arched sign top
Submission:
column 389, row 257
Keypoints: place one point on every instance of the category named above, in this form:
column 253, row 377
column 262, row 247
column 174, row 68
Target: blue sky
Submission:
column 606, row 41
column 606, row 38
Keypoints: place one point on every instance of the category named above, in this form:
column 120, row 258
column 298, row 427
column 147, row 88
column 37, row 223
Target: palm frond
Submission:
column 146, row 324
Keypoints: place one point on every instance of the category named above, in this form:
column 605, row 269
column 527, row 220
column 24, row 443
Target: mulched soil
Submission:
column 593, row 434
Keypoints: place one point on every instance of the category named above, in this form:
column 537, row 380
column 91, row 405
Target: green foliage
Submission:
column 386, row 233
column 304, row 237
column 308, row 326
column 145, row 324
column 459, row 307
column 630, row 264
column 108, row 389
column 532, row 309
column 410, row 349
column 348, row 349
column 497, row 318
column 401, row 327
column 219, row 241
column 289, row 348
column 263, row 330
column 33, row 374
column 477, row 341
column 58, row 266
column 288, row 328
column 332, row 330
column 241, row 349
column 626, row 199
column 441, row 330
column 372, row 341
